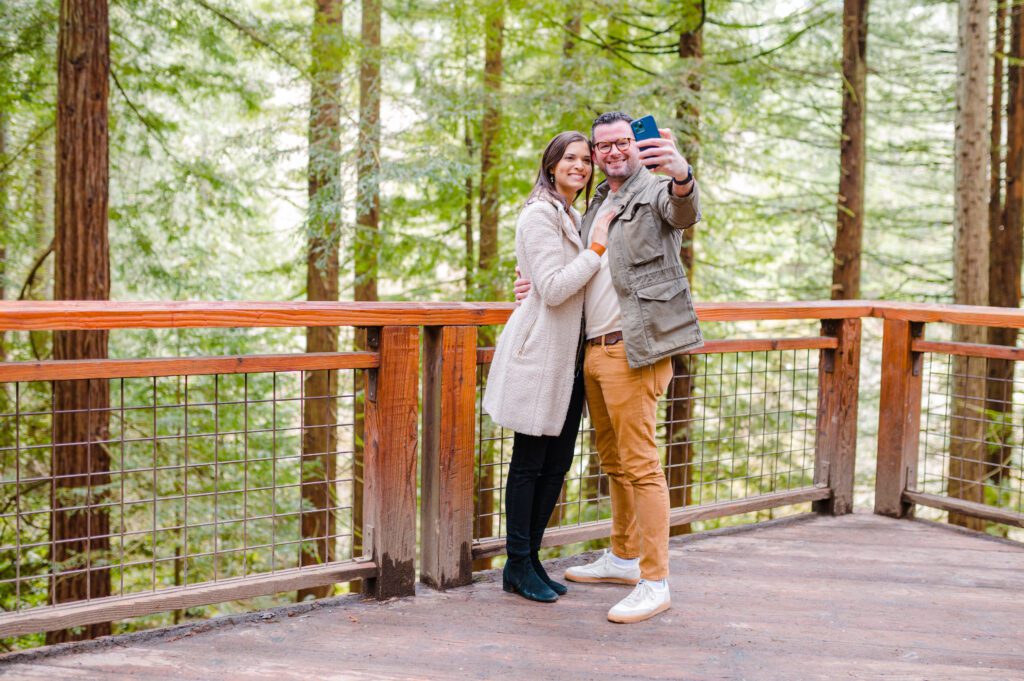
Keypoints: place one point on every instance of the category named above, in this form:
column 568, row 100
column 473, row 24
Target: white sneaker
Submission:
column 603, row 571
column 643, row 603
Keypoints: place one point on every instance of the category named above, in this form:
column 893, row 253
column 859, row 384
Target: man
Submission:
column 637, row 313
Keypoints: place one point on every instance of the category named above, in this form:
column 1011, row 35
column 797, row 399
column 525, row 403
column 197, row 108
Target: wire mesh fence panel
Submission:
column 745, row 428
column 181, row 481
column 731, row 426
column 972, row 431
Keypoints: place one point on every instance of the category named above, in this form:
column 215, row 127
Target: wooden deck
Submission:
column 852, row 597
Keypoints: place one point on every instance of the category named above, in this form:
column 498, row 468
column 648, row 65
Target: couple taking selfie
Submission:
column 605, row 303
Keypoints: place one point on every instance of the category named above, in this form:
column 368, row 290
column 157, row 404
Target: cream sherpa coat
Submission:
column 531, row 376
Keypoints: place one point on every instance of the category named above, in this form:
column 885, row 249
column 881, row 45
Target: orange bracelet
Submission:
column 597, row 248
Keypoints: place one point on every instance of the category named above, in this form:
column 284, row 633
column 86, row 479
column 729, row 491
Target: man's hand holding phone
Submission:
column 662, row 156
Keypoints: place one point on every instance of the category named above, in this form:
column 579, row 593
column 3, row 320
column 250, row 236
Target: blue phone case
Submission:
column 644, row 129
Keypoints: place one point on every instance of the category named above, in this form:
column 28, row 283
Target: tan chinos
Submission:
column 623, row 405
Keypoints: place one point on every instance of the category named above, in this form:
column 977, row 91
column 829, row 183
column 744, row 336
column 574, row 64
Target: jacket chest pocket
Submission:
column 638, row 230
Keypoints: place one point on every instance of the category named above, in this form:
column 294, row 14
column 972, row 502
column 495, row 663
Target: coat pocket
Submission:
column 662, row 291
column 668, row 315
column 527, row 336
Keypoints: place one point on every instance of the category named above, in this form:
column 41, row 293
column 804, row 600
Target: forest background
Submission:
column 381, row 150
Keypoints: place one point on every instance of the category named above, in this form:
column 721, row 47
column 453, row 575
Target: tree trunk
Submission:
column 467, row 220
column 679, row 413
column 81, row 462
column 320, row 409
column 1007, row 235
column 367, row 239
column 4, row 228
column 850, row 203
column 487, row 284
column 616, row 38
column 995, row 203
column 368, row 155
column 971, row 246
column 571, row 74
column 490, row 186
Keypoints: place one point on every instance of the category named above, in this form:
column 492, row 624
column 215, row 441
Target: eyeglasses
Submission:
column 620, row 144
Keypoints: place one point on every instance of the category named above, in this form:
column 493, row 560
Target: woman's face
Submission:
column 573, row 170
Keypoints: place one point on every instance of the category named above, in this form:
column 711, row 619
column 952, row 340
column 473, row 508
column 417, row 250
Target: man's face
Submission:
column 616, row 163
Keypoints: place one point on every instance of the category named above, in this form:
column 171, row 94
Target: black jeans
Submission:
column 535, row 477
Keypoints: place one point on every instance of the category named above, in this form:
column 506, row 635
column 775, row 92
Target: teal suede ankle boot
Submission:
column 519, row 577
column 538, row 567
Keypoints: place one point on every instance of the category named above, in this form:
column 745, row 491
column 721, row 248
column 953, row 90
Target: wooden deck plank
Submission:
column 853, row 597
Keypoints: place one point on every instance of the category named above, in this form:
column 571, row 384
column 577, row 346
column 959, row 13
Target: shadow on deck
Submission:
column 857, row 596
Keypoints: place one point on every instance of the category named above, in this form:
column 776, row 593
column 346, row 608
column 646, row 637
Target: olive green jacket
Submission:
column 658, row 319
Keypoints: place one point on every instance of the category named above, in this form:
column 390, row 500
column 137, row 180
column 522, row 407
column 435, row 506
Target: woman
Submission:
column 535, row 386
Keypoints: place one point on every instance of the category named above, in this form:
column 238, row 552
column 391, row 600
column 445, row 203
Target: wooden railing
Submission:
column 966, row 456
column 241, row 540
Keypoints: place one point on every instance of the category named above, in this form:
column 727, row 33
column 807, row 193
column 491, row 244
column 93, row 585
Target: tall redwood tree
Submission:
column 319, row 415
column 679, row 415
column 367, row 239
column 846, row 254
column 490, row 197
column 81, row 463
column 971, row 251
column 1006, row 220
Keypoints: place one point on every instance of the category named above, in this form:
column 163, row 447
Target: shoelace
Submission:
column 642, row 592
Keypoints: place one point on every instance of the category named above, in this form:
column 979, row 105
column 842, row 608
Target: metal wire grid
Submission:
column 972, row 432
column 205, row 484
column 747, row 428
column 738, row 425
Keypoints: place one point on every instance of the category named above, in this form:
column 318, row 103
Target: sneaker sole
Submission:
column 633, row 619
column 602, row 580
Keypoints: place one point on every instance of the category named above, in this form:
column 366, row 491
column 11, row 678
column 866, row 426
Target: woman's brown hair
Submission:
column 553, row 153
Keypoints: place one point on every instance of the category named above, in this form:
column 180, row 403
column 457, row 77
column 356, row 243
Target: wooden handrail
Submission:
column 64, row 315
column 969, row 349
column 972, row 315
column 57, row 370
column 19, row 623
column 71, row 315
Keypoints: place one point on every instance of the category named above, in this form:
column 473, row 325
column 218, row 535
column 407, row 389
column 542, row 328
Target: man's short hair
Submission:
column 607, row 119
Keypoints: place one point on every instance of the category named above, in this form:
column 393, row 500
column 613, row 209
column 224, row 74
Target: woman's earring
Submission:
column 551, row 178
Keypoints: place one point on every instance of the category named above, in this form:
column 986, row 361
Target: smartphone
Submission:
column 644, row 129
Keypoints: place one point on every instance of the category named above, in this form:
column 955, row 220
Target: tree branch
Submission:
column 250, row 33
column 142, row 119
column 28, row 145
column 785, row 43
column 30, row 279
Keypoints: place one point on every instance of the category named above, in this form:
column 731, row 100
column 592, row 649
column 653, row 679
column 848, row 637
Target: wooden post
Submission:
column 449, row 436
column 835, row 447
column 389, row 468
column 899, row 418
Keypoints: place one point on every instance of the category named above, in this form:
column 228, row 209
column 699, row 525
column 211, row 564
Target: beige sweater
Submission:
column 531, row 376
